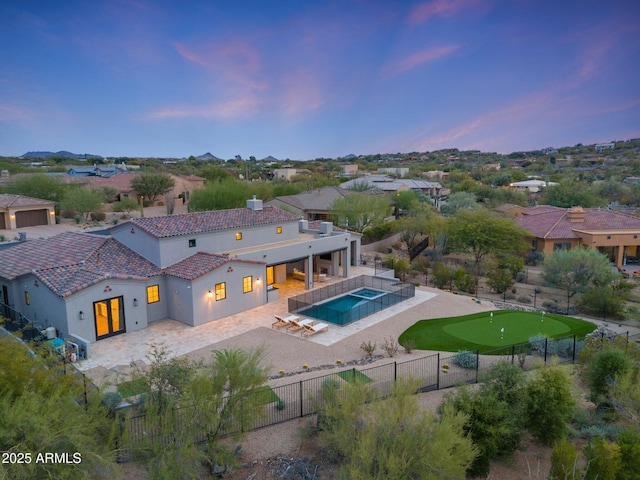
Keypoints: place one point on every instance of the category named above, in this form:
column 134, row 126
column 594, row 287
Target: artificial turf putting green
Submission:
column 265, row 395
column 354, row 376
column 480, row 331
column 132, row 387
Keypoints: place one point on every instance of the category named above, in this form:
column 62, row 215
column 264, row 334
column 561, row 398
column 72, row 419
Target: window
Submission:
column 192, row 242
column 278, row 230
column 221, row 291
column 562, row 246
column 238, row 235
column 153, row 294
column 247, row 284
column 27, row 299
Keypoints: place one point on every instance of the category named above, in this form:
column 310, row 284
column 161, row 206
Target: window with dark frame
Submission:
column 221, row 291
column 153, row 293
column 247, row 284
column 192, row 242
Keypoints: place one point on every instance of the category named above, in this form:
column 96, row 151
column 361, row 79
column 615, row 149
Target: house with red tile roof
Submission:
column 194, row 268
column 17, row 211
column 616, row 235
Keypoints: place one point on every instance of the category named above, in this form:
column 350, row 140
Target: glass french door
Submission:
column 109, row 317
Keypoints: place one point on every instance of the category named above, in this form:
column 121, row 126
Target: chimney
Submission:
column 254, row 204
column 576, row 214
column 326, row 228
column 303, row 225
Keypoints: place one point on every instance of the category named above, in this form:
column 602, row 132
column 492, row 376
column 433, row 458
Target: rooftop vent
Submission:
column 254, row 204
column 326, row 228
column 576, row 214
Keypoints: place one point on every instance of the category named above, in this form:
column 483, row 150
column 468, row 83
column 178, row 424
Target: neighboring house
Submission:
column 313, row 205
column 605, row 146
column 98, row 171
column 182, row 190
column 615, row 235
column 439, row 174
column 396, row 171
column 389, row 184
column 350, row 169
column 17, row 211
column 492, row 166
column 284, row 173
column 531, row 186
column 194, row 268
column 510, row 210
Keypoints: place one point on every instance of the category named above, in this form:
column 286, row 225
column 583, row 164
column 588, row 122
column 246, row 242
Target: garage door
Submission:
column 2, row 225
column 31, row 218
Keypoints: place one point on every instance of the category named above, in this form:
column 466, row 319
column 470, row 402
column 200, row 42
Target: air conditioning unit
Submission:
column 50, row 333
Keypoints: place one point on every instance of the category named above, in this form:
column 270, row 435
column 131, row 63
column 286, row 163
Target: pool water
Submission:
column 349, row 308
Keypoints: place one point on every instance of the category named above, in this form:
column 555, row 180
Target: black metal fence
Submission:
column 394, row 292
column 434, row 372
column 28, row 331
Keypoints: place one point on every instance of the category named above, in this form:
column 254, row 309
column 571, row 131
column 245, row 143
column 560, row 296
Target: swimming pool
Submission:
column 351, row 307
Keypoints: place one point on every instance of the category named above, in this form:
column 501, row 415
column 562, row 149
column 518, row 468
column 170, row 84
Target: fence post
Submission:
column 477, row 363
column 513, row 353
column 438, row 373
column 546, row 341
column 353, row 373
column 301, row 405
column 84, row 382
column 395, row 371
column 573, row 357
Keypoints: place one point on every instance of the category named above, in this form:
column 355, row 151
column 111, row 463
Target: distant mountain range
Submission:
column 63, row 153
column 207, row 156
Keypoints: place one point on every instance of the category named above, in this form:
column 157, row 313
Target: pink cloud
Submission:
column 301, row 94
column 16, row 114
column 419, row 58
column 443, row 8
column 236, row 108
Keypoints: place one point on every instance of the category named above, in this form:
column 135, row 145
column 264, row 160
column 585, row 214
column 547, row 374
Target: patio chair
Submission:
column 296, row 324
column 283, row 321
column 313, row 329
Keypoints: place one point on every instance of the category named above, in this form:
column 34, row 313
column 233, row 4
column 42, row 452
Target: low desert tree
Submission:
column 110, row 193
column 38, row 186
column 82, row 201
column 393, row 438
column 604, row 369
column 224, row 194
column 152, row 184
column 39, row 414
column 550, row 404
column 495, row 413
column 459, row 201
column 356, row 212
column 443, row 275
column 564, row 461
column 126, row 205
column 604, row 460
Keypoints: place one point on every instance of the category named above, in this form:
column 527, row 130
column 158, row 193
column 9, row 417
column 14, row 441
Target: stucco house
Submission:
column 389, row 184
column 17, row 211
column 194, row 268
column 616, row 235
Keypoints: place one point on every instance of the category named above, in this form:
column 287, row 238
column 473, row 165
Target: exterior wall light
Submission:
column 81, row 315
column 210, row 294
column 135, row 302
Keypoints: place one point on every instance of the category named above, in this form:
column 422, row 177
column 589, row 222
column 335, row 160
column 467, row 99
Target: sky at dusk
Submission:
column 305, row 79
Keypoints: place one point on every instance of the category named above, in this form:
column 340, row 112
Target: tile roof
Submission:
column 8, row 200
column 554, row 222
column 197, row 265
column 198, row 222
column 320, row 199
column 69, row 262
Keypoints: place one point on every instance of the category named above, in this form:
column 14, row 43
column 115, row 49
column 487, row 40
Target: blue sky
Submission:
column 307, row 79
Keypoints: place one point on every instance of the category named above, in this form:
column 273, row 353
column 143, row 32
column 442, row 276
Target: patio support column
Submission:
column 308, row 272
column 346, row 262
column 335, row 263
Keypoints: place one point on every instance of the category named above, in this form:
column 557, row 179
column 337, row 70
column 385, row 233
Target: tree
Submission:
column 39, row 414
column 481, row 233
column 110, row 193
column 150, row 185
column 549, row 404
column 459, row 201
column 82, row 201
column 358, row 211
column 394, row 438
column 495, row 414
column 576, row 270
column 229, row 193
column 126, row 205
column 571, row 194
column 38, row 186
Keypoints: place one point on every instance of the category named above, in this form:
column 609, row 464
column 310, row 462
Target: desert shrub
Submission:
column 98, row 216
column 68, row 213
column 564, row 461
column 509, row 296
column 524, row 299
column 629, row 443
column 565, row 347
column 464, row 281
column 603, row 369
column 146, row 203
column 373, row 234
column 111, row 400
column 160, row 204
column 534, row 258
column 552, row 307
column 442, row 275
column 390, row 346
column 409, row 345
column 538, row 343
column 604, row 459
column 369, row 347
column 466, row 359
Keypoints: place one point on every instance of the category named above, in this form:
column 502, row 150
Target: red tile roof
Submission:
column 551, row 222
column 196, row 265
column 198, row 222
column 8, row 200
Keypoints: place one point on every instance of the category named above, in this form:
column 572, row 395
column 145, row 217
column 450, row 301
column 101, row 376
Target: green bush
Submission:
column 629, row 443
column 538, row 343
column 466, row 359
column 98, row 216
column 604, row 460
column 373, row 234
column 564, row 461
column 603, row 369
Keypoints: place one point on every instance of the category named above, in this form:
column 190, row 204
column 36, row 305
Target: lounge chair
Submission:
column 311, row 329
column 283, row 321
column 296, row 324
